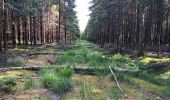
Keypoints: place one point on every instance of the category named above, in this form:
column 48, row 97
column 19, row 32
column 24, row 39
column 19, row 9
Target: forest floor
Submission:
column 150, row 83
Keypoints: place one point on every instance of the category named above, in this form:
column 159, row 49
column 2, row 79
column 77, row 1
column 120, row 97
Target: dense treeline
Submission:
column 130, row 24
column 32, row 22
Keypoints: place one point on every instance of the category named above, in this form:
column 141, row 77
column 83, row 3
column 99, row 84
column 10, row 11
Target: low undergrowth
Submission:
column 146, row 82
column 7, row 84
column 85, row 56
column 116, row 94
column 17, row 63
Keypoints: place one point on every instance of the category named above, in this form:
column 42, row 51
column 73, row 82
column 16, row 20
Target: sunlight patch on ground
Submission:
column 147, row 60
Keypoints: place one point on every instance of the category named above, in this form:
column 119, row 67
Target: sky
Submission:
column 82, row 12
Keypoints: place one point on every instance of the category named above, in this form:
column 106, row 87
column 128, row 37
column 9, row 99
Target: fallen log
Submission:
column 25, row 78
column 77, row 69
column 66, row 47
column 46, row 54
column 49, row 54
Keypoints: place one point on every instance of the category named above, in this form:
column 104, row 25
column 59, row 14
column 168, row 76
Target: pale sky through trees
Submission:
column 82, row 12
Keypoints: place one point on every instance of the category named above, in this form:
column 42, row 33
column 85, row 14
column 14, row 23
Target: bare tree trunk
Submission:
column 65, row 22
column 41, row 29
column 1, row 24
column 34, row 31
column 26, row 31
column 13, row 32
column 19, row 30
column 31, row 30
column 59, row 24
column 5, row 28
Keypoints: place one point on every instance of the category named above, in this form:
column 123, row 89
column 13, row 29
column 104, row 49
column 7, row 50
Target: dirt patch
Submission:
column 34, row 94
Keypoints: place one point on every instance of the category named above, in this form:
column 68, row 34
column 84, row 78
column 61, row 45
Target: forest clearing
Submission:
column 148, row 83
column 122, row 54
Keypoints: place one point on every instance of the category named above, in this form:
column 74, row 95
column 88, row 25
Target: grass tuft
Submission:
column 65, row 72
column 29, row 84
column 57, row 81
column 61, row 86
column 48, row 79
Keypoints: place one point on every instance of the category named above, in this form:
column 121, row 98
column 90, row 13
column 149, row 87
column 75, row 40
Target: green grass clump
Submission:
column 61, row 86
column 7, row 84
column 65, row 72
column 48, row 79
column 29, row 84
column 47, row 70
column 57, row 81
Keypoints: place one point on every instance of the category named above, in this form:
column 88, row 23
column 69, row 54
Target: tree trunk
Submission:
column 141, row 35
column 31, row 30
column 5, row 28
column 34, row 31
column 65, row 22
column 13, row 32
column 19, row 30
column 59, row 24
column 1, row 20
column 41, row 29
column 26, row 31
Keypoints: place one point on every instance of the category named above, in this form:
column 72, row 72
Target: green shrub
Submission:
column 61, row 86
column 65, row 73
column 29, row 84
column 7, row 84
column 48, row 79
column 59, row 82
